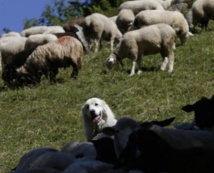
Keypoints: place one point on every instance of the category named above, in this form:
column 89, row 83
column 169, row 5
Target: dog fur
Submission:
column 96, row 115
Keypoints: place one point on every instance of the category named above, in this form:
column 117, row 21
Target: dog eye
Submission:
column 96, row 104
column 87, row 106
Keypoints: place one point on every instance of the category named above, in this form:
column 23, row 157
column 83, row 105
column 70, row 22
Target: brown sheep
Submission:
column 46, row 59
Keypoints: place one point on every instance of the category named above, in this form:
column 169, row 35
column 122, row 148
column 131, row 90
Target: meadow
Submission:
column 49, row 115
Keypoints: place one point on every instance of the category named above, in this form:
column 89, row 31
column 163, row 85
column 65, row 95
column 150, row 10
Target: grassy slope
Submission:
column 50, row 115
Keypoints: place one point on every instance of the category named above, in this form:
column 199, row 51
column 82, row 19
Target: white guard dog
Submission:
column 96, row 115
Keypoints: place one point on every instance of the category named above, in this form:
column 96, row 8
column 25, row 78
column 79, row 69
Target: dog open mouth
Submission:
column 96, row 118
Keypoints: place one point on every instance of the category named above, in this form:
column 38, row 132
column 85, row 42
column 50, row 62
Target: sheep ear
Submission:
column 188, row 108
column 165, row 122
column 146, row 125
column 109, row 131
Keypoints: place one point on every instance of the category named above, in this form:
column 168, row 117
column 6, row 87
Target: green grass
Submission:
column 49, row 115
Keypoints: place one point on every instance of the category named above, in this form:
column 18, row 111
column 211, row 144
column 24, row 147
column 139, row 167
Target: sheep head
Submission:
column 9, row 75
column 23, row 77
column 113, row 61
column 203, row 111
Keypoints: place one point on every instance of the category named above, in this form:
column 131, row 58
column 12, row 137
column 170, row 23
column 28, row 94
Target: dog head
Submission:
column 94, row 109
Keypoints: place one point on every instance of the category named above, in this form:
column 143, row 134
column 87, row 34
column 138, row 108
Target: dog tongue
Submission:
column 96, row 119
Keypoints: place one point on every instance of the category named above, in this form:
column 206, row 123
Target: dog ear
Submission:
column 106, row 107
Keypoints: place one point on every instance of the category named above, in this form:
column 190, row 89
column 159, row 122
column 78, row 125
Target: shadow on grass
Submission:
column 145, row 69
column 14, row 86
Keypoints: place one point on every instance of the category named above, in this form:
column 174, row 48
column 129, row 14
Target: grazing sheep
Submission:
column 78, row 34
column 45, row 157
column 124, row 20
column 10, row 68
column 138, row 6
column 8, row 52
column 97, row 27
column 39, row 39
column 201, row 12
column 150, row 40
column 46, row 59
column 203, row 111
column 152, row 148
column 96, row 115
column 173, row 18
column 124, row 127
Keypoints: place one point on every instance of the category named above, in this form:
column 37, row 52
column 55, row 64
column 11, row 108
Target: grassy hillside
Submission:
column 49, row 115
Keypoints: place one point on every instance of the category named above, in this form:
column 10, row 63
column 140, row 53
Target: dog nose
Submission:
column 92, row 112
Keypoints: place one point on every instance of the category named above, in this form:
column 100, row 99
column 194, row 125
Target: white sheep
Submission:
column 149, row 40
column 9, row 47
column 201, row 12
column 46, row 59
column 33, row 30
column 97, row 27
column 137, row 6
column 11, row 34
column 125, row 19
column 39, row 39
column 167, row 3
column 42, row 30
column 54, row 29
column 173, row 18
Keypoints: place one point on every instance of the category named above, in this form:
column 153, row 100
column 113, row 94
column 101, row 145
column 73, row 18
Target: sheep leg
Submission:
column 164, row 63
column 205, row 24
column 139, row 60
column 75, row 72
column 97, row 42
column 171, row 62
column 133, row 68
column 112, row 44
column 52, row 75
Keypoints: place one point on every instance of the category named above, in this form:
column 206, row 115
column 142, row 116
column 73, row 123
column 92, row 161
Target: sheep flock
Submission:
column 140, row 28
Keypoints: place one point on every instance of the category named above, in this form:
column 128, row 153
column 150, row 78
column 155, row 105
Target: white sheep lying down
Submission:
column 46, row 59
column 97, row 27
column 173, row 18
column 149, row 40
